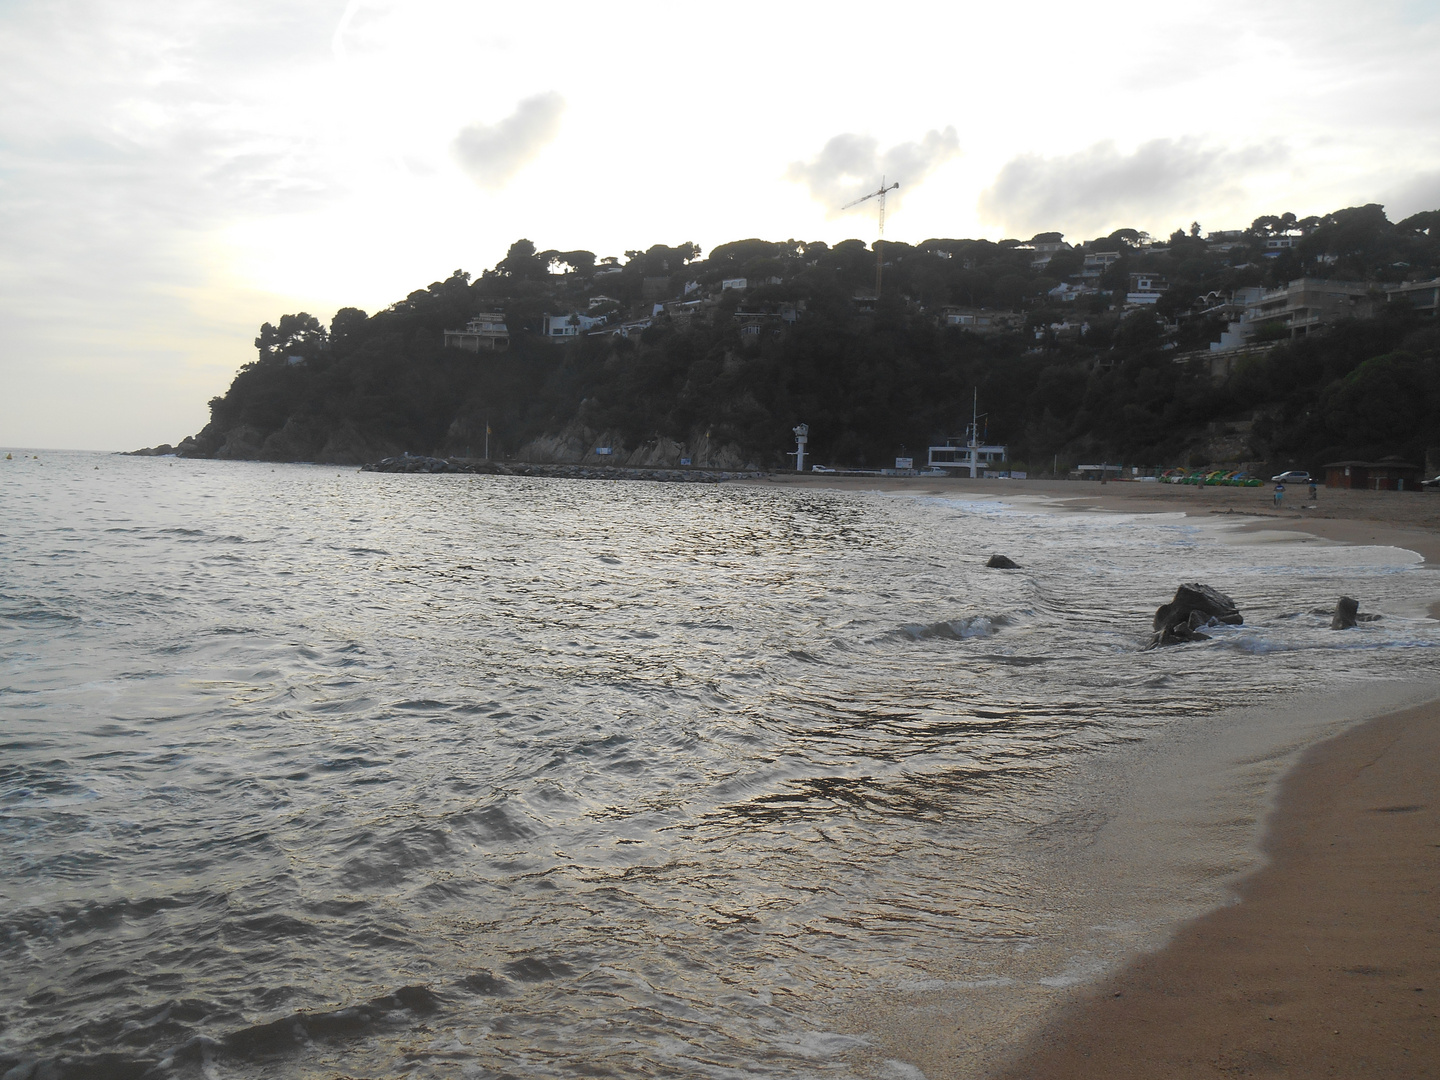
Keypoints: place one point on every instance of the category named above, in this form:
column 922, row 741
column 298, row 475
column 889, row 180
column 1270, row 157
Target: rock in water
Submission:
column 1347, row 612
column 1000, row 562
column 1194, row 606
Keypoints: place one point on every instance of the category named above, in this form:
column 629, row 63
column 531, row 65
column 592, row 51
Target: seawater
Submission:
column 308, row 772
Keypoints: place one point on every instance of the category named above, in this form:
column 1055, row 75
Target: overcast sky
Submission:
column 172, row 173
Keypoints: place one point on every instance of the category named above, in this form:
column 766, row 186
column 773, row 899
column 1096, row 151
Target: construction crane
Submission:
column 879, row 257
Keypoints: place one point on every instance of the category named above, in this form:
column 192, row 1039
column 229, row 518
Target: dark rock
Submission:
column 152, row 451
column 1346, row 610
column 1193, row 606
column 407, row 463
column 241, row 443
column 1000, row 562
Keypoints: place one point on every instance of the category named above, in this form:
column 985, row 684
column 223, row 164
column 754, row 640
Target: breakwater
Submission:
column 410, row 463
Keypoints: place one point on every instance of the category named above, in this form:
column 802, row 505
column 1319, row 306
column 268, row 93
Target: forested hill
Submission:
column 720, row 375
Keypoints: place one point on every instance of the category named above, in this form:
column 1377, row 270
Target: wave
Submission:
column 962, row 629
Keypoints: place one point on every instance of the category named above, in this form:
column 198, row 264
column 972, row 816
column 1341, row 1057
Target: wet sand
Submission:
column 1328, row 963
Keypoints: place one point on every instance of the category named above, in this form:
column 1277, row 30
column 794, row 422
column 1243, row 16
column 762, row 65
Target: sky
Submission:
column 173, row 174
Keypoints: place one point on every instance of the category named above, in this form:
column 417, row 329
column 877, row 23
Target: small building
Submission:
column 1066, row 293
column 1276, row 245
column 1097, row 262
column 1423, row 296
column 631, row 329
column 1391, row 474
column 981, row 320
column 1146, row 288
column 1307, row 303
column 1097, row 472
column 486, row 332
column 966, row 456
column 561, row 328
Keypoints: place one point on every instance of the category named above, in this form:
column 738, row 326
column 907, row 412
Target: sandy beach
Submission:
column 1328, row 961
column 1329, row 964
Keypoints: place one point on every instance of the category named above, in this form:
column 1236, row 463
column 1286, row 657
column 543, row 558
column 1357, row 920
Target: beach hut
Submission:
column 1391, row 474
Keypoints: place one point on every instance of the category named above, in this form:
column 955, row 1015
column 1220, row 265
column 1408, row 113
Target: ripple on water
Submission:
column 494, row 774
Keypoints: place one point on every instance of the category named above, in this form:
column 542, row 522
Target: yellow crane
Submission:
column 879, row 257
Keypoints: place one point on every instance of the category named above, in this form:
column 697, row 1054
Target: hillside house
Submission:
column 1097, row 262
column 1065, row 293
column 1308, row 303
column 631, row 329
column 561, row 328
column 486, row 332
column 1146, row 288
column 981, row 321
column 1423, row 296
column 1275, row 246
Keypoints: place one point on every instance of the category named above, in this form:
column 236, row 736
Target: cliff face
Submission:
column 334, row 443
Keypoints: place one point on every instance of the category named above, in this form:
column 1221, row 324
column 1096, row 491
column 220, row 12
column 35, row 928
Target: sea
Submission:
column 310, row 772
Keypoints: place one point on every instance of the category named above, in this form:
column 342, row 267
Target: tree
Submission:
column 347, row 328
column 521, row 262
column 297, row 335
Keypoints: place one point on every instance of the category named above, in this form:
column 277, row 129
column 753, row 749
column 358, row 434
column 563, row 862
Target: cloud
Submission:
column 850, row 165
column 1100, row 186
column 493, row 153
column 1419, row 192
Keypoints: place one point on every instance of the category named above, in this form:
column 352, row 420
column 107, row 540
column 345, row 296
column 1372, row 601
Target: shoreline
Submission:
column 1328, row 962
column 1305, row 960
column 1408, row 519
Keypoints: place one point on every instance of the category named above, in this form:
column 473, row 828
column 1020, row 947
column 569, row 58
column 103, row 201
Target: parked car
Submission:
column 1433, row 483
column 1294, row 476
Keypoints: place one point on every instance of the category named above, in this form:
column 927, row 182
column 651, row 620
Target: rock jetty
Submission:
column 412, row 463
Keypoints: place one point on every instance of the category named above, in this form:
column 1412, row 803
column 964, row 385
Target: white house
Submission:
column 1146, row 288
column 563, row 327
column 734, row 283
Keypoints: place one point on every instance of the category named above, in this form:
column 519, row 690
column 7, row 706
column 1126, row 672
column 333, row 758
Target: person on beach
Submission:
column 1314, row 494
column 1279, row 493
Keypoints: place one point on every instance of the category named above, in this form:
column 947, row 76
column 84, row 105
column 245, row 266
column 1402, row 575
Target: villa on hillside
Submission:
column 1146, row 288
column 486, row 332
column 1306, row 303
column 1423, row 296
column 561, row 328
column 980, row 320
